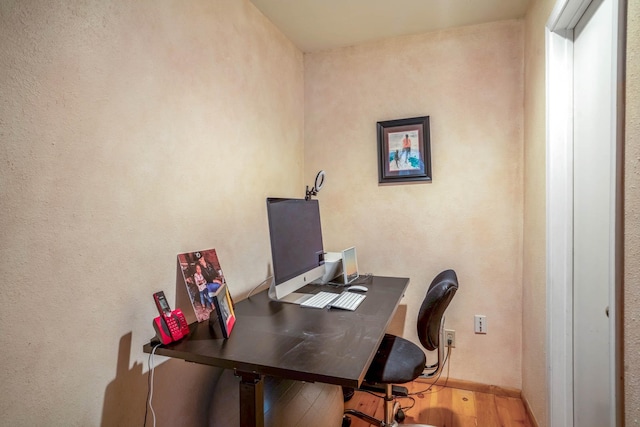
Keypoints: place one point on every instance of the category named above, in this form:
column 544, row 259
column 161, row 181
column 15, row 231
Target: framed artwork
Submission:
column 224, row 308
column 404, row 150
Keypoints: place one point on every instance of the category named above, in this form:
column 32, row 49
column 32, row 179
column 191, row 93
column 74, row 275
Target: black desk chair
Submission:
column 400, row 361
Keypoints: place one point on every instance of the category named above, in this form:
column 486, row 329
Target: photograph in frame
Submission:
column 404, row 150
column 203, row 277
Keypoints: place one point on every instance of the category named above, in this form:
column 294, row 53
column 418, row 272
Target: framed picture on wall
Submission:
column 404, row 150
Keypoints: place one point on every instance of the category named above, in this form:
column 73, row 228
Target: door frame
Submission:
column 559, row 209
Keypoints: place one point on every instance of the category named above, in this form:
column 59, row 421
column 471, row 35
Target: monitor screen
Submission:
column 296, row 243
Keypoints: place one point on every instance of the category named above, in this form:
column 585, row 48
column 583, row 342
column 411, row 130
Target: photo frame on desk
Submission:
column 202, row 275
column 404, row 150
column 224, row 309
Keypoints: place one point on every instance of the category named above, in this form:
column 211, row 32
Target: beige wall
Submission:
column 632, row 220
column 470, row 82
column 131, row 132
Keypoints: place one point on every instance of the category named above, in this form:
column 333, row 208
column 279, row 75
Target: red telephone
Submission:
column 170, row 326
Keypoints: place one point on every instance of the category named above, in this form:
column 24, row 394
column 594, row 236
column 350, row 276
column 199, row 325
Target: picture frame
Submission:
column 202, row 275
column 224, row 309
column 404, row 150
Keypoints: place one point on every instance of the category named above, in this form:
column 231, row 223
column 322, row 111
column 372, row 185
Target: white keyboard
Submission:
column 319, row 300
column 348, row 301
column 345, row 300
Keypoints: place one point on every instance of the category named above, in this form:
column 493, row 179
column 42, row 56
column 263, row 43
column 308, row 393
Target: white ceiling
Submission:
column 314, row 25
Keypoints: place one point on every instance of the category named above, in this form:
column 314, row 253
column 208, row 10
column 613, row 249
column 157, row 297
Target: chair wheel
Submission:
column 346, row 421
column 400, row 415
column 347, row 393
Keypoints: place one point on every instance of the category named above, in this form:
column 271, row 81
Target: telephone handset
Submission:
column 171, row 325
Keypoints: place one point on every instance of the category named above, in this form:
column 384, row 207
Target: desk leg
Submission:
column 251, row 400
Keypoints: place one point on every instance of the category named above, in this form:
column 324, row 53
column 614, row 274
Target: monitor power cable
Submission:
column 259, row 285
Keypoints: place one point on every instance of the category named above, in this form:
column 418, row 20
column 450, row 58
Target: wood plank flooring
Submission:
column 447, row 407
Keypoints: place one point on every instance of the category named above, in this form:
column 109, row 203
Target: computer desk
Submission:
column 288, row 341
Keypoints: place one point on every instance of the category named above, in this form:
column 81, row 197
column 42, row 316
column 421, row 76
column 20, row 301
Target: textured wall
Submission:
column 534, row 300
column 470, row 82
column 632, row 220
column 131, row 132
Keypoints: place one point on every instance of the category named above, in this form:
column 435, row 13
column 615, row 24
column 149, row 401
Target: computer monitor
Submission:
column 297, row 253
column 349, row 265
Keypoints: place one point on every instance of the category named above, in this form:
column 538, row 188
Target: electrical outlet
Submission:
column 480, row 322
column 450, row 337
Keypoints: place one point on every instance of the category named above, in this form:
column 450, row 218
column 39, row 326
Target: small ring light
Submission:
column 319, row 181
column 316, row 186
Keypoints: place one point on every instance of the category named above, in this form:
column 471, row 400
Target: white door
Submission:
column 593, row 216
column 583, row 212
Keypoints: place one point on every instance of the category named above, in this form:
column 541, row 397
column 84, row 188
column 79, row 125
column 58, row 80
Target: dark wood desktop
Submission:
column 288, row 341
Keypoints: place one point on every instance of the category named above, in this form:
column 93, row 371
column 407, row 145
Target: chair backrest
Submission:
column 440, row 292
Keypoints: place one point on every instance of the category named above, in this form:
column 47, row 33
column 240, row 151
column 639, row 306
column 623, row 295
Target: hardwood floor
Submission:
column 447, row 407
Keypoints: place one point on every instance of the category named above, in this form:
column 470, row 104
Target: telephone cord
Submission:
column 150, row 391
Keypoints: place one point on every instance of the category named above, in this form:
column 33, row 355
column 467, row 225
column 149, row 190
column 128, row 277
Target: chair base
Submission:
column 390, row 409
column 397, row 390
column 346, row 421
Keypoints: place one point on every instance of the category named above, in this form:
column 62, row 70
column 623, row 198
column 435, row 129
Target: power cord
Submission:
column 363, row 279
column 404, row 409
column 259, row 284
column 409, row 395
column 413, row 402
column 446, row 360
column 148, row 404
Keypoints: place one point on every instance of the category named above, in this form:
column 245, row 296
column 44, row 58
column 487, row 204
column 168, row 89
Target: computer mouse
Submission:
column 357, row 288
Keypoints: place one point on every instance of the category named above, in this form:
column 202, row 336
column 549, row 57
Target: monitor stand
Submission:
column 332, row 268
column 292, row 298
